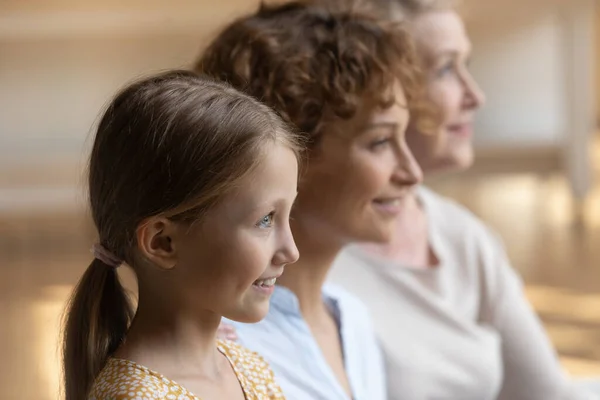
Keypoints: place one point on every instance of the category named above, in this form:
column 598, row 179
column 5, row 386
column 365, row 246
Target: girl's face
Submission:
column 227, row 262
column 444, row 48
column 358, row 176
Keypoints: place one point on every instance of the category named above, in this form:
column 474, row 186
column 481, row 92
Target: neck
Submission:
column 173, row 337
column 306, row 277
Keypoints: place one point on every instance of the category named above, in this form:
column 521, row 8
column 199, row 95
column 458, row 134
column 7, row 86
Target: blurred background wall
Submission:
column 61, row 60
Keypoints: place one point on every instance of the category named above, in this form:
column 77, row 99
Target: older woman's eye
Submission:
column 446, row 69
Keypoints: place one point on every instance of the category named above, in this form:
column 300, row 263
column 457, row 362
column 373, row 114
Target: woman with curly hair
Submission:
column 349, row 83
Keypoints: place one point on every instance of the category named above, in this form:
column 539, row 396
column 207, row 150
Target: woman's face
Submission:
column 359, row 175
column 444, row 49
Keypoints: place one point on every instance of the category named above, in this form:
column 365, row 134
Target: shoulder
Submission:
column 354, row 315
column 125, row 380
column 346, row 300
column 250, row 366
column 240, row 354
column 477, row 248
column 454, row 221
column 466, row 234
column 446, row 208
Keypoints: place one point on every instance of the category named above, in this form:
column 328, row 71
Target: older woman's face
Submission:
column 359, row 176
column 444, row 48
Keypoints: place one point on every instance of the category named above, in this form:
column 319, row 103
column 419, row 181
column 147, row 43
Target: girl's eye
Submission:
column 266, row 221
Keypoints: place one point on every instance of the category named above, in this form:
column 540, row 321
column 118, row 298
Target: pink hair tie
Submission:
column 108, row 258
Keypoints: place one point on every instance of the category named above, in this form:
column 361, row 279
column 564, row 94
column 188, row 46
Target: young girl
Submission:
column 191, row 185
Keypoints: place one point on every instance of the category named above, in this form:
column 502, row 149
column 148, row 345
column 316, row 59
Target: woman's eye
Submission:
column 379, row 143
column 266, row 221
column 445, row 70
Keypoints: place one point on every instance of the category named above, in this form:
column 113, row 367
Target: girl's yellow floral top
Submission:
column 126, row 380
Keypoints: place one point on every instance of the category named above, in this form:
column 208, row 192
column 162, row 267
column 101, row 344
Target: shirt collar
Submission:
column 284, row 300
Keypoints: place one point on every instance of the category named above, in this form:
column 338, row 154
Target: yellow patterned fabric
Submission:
column 126, row 380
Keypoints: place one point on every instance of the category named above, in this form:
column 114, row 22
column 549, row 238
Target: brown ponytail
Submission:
column 99, row 313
